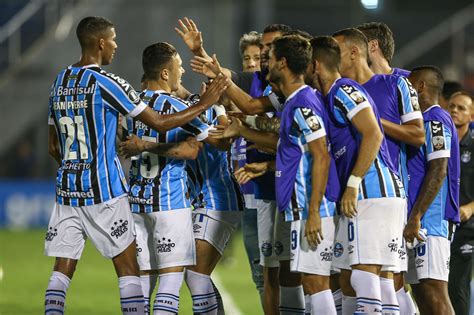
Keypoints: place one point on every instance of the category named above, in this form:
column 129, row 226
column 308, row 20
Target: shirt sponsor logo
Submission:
column 141, row 201
column 74, row 194
column 68, row 91
column 80, row 166
column 70, row 105
column 340, row 153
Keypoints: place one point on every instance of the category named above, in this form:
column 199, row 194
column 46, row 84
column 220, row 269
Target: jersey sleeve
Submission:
column 276, row 102
column 119, row 95
column 408, row 106
column 309, row 124
column 438, row 140
column 351, row 100
column 195, row 127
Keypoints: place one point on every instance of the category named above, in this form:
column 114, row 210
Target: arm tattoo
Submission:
column 162, row 149
column 268, row 124
column 431, row 185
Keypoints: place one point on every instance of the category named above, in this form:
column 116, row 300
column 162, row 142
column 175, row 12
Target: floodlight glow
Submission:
column 370, row 4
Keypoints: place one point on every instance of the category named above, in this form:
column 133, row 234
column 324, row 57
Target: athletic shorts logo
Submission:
column 52, row 233
column 350, row 248
column 419, row 263
column 278, row 248
column 393, row 246
column 326, row 254
column 266, row 249
column 338, row 250
column 196, row 228
column 139, row 250
column 119, row 228
column 165, row 245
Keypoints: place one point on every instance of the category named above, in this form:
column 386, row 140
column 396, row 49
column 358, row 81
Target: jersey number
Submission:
column 149, row 166
column 68, row 128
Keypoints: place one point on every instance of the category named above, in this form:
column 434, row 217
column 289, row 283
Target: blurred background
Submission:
column 37, row 40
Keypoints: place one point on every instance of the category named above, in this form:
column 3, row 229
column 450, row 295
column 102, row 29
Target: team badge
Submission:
column 357, row 97
column 466, row 156
column 278, row 248
column 414, row 102
column 133, row 96
column 438, row 142
column 338, row 250
column 266, row 249
column 313, row 123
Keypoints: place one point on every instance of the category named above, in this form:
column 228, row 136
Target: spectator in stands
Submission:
column 449, row 88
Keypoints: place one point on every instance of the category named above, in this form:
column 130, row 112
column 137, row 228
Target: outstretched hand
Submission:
column 131, row 147
column 226, row 132
column 250, row 171
column 214, row 91
column 190, row 34
column 205, row 66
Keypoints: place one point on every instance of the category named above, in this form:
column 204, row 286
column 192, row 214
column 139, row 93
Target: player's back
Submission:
column 84, row 107
column 345, row 99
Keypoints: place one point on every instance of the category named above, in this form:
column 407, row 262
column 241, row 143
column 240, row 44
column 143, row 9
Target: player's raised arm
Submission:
column 162, row 123
column 191, row 36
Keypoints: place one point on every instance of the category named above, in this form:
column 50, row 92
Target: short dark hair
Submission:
column 355, row 36
column 451, row 87
column 90, row 27
column 295, row 49
column 301, row 33
column 249, row 39
column 326, row 50
column 438, row 81
column 277, row 28
column 155, row 58
column 383, row 34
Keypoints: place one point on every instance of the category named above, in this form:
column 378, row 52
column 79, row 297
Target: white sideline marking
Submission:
column 229, row 305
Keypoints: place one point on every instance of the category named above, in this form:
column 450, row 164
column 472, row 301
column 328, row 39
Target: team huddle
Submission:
column 350, row 166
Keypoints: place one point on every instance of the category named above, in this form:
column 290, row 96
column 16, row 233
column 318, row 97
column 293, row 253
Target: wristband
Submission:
column 354, row 181
column 251, row 121
column 219, row 109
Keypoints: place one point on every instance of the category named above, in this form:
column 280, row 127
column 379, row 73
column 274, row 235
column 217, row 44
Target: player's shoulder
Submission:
column 352, row 91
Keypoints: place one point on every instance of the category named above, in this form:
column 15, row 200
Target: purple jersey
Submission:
column 302, row 121
column 396, row 101
column 402, row 72
column 441, row 142
column 344, row 100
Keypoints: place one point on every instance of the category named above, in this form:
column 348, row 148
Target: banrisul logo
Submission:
column 165, row 245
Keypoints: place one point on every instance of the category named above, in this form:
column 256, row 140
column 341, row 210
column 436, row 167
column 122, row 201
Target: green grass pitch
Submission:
column 25, row 272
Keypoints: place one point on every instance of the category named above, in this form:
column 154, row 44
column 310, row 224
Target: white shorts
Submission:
column 165, row 239
column 312, row 260
column 215, row 227
column 402, row 263
column 109, row 225
column 373, row 236
column 273, row 234
column 429, row 261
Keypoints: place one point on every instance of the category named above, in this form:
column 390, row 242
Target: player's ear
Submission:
column 354, row 52
column 101, row 43
column 373, row 45
column 165, row 74
column 283, row 63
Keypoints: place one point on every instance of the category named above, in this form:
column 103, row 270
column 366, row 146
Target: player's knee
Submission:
column 345, row 283
column 65, row 266
column 399, row 281
column 313, row 283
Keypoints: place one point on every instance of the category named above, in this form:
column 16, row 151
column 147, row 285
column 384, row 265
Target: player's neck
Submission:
column 158, row 85
column 290, row 84
column 327, row 79
column 427, row 101
column 88, row 59
column 380, row 66
column 362, row 72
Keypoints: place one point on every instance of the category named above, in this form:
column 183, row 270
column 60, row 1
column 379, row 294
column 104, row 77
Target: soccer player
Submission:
column 372, row 198
column 91, row 202
column 402, row 123
column 302, row 168
column 433, row 196
column 461, row 107
column 381, row 48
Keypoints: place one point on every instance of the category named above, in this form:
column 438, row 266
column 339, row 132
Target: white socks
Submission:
column 407, row 306
column 131, row 295
column 220, row 304
column 202, row 292
column 337, row 297
column 148, row 286
column 292, row 300
column 323, row 303
column 367, row 287
column 348, row 305
column 167, row 296
column 56, row 293
column 389, row 298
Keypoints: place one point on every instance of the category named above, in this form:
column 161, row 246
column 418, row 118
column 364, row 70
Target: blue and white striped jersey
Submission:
column 216, row 187
column 84, row 105
column 345, row 99
column 158, row 183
